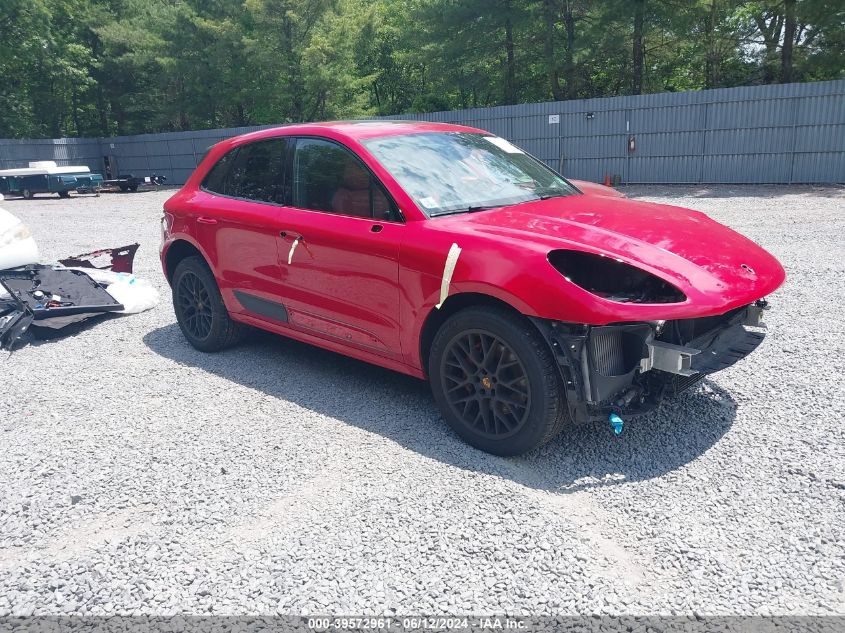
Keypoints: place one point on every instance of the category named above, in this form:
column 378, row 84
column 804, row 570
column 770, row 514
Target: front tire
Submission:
column 199, row 308
column 27, row 194
column 64, row 194
column 495, row 381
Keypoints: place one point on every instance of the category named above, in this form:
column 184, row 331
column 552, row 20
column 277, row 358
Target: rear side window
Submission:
column 253, row 172
column 215, row 181
column 328, row 177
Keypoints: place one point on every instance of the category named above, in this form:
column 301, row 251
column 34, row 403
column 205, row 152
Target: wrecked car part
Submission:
column 673, row 359
column 67, row 292
column 17, row 246
column 52, row 297
column 613, row 279
column 754, row 315
column 13, row 329
column 15, row 319
column 628, row 369
column 726, row 348
column 136, row 295
column 42, row 296
column 120, row 259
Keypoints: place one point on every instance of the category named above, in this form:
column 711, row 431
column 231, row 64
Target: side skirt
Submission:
column 284, row 329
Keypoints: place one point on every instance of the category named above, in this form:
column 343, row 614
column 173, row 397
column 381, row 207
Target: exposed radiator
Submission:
column 608, row 353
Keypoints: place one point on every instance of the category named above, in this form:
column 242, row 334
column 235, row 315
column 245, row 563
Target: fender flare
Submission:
column 183, row 237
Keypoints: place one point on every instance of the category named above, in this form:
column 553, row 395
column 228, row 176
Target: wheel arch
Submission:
column 453, row 304
column 179, row 250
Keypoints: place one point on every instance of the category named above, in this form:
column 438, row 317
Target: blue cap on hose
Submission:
column 616, row 422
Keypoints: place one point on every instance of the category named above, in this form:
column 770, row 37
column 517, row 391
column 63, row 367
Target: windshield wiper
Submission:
column 469, row 209
column 549, row 193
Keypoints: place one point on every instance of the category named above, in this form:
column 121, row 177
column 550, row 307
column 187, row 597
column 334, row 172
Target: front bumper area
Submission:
column 629, row 368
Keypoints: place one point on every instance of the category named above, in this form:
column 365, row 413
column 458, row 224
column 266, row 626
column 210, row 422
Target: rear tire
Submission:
column 199, row 307
column 27, row 194
column 64, row 194
column 495, row 381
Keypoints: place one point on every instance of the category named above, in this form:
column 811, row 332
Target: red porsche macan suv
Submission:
column 448, row 253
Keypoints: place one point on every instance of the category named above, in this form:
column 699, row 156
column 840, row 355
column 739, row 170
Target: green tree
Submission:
column 103, row 67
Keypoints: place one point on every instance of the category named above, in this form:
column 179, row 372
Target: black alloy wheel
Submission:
column 496, row 381
column 488, row 386
column 199, row 307
column 195, row 305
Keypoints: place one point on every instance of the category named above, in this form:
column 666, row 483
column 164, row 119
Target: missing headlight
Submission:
column 613, row 280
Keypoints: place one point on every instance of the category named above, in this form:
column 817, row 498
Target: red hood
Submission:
column 703, row 258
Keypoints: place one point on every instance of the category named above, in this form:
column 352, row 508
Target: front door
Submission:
column 339, row 250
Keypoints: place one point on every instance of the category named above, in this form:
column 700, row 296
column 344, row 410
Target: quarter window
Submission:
column 215, row 181
column 328, row 177
column 254, row 172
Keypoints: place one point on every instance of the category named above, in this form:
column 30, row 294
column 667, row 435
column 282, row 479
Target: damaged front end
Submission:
column 629, row 368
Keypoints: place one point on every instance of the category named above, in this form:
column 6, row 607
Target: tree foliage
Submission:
column 106, row 67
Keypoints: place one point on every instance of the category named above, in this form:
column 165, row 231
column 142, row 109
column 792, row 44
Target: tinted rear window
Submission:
column 254, row 172
column 215, row 181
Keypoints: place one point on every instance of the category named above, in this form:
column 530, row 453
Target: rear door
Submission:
column 238, row 222
column 339, row 250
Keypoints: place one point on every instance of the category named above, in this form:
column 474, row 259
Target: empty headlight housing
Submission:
column 613, row 280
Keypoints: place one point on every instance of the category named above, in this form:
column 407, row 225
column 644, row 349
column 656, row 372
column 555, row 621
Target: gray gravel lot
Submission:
column 139, row 476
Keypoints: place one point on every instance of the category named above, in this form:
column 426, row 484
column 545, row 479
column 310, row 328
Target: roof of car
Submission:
column 366, row 128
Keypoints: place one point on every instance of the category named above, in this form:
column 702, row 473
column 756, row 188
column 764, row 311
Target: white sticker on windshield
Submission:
column 503, row 144
column 428, row 202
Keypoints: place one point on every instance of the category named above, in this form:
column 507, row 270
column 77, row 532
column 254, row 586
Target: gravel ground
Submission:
column 138, row 476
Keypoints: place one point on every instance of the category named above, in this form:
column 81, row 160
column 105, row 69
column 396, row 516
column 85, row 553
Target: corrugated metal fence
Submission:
column 790, row 133
column 763, row 134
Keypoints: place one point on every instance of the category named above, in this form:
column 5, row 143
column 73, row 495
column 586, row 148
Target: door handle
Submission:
column 376, row 228
column 206, row 220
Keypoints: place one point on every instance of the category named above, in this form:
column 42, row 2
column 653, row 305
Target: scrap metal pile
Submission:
column 35, row 295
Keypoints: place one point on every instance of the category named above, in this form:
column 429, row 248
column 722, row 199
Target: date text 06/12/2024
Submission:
column 415, row 623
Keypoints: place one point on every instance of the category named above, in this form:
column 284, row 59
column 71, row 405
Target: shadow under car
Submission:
column 401, row 408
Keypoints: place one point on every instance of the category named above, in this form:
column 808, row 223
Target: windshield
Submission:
column 460, row 172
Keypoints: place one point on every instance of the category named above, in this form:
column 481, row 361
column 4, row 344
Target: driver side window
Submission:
column 327, row 177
